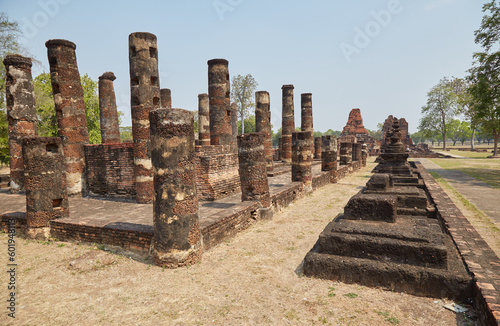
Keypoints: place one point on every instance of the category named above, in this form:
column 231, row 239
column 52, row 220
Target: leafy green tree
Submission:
column 276, row 137
column 91, row 98
column 484, row 75
column 242, row 93
column 47, row 123
column 126, row 134
column 248, row 126
column 459, row 131
column 442, row 106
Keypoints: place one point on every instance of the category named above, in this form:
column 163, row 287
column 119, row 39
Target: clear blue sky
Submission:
column 316, row 45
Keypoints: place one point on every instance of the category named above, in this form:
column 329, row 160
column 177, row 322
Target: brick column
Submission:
column 203, row 120
column 345, row 153
column 287, row 122
column 356, row 152
column 166, row 98
column 108, row 114
column 220, row 107
column 177, row 238
column 21, row 114
column 145, row 96
column 70, row 110
column 234, row 128
column 302, row 158
column 317, row 148
column 252, row 168
column 306, row 121
column 45, row 182
column 280, row 148
column 364, row 154
column 263, row 124
column 328, row 153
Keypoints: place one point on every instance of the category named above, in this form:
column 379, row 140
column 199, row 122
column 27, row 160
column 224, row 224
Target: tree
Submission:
column 91, row 98
column 242, row 93
column 442, row 106
column 249, row 125
column 485, row 74
column 459, row 131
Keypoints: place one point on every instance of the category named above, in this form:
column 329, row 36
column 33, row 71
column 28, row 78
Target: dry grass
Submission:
column 253, row 279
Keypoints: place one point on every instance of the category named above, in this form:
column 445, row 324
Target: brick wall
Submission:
column 110, row 169
column 216, row 172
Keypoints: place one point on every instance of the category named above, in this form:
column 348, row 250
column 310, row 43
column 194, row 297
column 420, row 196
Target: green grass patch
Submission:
column 486, row 170
column 351, row 295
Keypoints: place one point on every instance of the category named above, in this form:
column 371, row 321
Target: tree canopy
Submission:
column 242, row 93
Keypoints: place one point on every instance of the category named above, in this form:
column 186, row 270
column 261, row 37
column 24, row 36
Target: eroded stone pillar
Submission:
column 108, row 114
column 302, row 153
column 252, row 166
column 166, row 98
column 328, row 153
column 177, row 238
column 70, row 110
column 317, row 148
column 263, row 124
column 234, row 128
column 145, row 96
column 219, row 102
column 203, row 120
column 21, row 114
column 345, row 153
column 356, row 152
column 45, row 182
column 287, row 122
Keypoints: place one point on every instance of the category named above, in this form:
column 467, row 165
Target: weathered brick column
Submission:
column 345, row 153
column 45, row 182
column 317, row 148
column 263, row 124
column 70, row 110
column 287, row 122
column 253, row 172
column 328, row 153
column 177, row 238
column 220, row 107
column 21, row 114
column 203, row 120
column 234, row 128
column 166, row 98
column 302, row 153
column 356, row 152
column 306, row 121
column 145, row 96
column 280, row 148
column 108, row 114
column 364, row 154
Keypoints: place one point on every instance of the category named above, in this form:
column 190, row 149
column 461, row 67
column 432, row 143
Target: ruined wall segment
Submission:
column 70, row 110
column 177, row 238
column 21, row 114
column 108, row 114
column 145, row 96
column 166, row 98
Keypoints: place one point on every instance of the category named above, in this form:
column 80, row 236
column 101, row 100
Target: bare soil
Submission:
column 253, row 279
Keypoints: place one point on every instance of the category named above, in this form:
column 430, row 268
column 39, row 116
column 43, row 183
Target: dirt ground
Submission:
column 252, row 279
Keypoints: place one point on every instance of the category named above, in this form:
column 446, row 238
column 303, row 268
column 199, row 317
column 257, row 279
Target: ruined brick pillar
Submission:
column 203, row 120
column 306, row 121
column 280, row 148
column 234, row 128
column 302, row 153
column 345, row 153
column 70, row 110
column 252, row 167
column 219, row 103
column 45, row 182
column 145, row 96
column 356, row 152
column 177, row 238
column 287, row 122
column 364, row 154
column 263, row 124
column 166, row 98
column 108, row 114
column 21, row 114
column 328, row 153
column 317, row 148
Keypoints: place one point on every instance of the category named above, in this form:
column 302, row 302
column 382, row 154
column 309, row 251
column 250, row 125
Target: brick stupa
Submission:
column 354, row 125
